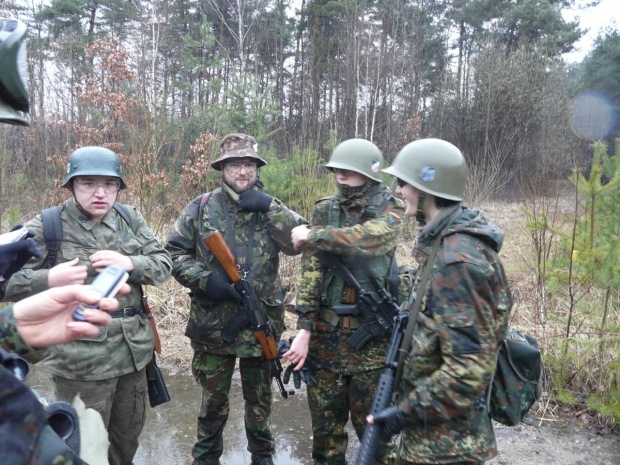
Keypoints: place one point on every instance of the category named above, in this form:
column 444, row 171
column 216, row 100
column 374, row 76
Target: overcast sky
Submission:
column 607, row 13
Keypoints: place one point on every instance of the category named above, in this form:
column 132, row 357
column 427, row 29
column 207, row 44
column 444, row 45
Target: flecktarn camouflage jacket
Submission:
column 367, row 225
column 464, row 316
column 194, row 263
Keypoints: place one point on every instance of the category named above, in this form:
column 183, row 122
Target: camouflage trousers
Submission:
column 214, row 373
column 400, row 461
column 330, row 404
column 122, row 404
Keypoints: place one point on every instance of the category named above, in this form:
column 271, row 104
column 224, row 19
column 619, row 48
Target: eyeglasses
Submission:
column 89, row 186
column 401, row 183
column 234, row 167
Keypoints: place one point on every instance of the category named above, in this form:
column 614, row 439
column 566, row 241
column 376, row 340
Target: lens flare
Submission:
column 594, row 116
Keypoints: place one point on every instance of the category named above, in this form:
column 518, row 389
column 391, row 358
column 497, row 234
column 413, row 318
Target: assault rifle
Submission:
column 252, row 313
column 378, row 315
column 383, row 396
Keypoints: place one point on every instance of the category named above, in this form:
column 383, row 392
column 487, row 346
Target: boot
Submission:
column 205, row 462
column 262, row 460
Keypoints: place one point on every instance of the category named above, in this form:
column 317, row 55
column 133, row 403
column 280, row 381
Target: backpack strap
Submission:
column 52, row 229
column 124, row 214
column 52, row 233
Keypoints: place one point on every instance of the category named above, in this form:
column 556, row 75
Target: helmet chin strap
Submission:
column 419, row 214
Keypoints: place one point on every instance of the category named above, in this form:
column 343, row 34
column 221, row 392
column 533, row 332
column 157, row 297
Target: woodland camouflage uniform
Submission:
column 214, row 360
column 361, row 223
column 463, row 318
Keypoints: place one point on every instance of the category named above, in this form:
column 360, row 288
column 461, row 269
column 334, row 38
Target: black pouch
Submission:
column 158, row 393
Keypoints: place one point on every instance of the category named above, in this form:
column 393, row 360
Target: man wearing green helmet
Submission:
column 108, row 370
column 465, row 304
column 360, row 224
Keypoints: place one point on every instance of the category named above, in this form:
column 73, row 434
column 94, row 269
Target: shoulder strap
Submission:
column 52, row 233
column 124, row 214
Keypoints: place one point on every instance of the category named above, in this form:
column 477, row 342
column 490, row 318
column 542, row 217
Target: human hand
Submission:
column 67, row 273
column 391, row 419
column 104, row 258
column 218, row 289
column 298, row 352
column 305, row 374
column 299, row 235
column 45, row 319
column 13, row 256
column 255, row 201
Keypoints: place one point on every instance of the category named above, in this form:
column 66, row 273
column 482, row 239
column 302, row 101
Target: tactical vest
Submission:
column 333, row 287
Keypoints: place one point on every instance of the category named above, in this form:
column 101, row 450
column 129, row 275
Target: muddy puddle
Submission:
column 170, row 432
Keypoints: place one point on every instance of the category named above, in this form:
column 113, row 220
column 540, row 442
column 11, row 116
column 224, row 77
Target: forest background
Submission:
column 161, row 81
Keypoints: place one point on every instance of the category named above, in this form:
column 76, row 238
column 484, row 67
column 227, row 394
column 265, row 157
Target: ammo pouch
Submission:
column 344, row 316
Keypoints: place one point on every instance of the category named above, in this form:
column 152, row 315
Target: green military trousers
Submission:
column 122, row 404
column 214, row 373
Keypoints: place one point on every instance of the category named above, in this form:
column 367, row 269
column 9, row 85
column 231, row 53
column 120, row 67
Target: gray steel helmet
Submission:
column 238, row 145
column 93, row 161
column 433, row 166
column 359, row 155
column 13, row 78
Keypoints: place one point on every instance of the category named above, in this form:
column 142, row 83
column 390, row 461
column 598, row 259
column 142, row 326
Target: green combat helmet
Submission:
column 357, row 155
column 238, row 145
column 13, row 87
column 93, row 161
column 433, row 166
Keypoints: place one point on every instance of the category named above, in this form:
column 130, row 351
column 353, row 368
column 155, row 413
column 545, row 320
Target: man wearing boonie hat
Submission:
column 256, row 227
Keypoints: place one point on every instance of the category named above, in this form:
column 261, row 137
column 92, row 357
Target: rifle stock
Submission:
column 251, row 308
column 147, row 310
column 218, row 247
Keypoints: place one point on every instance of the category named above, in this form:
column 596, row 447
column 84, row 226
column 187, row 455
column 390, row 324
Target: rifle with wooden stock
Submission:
column 252, row 313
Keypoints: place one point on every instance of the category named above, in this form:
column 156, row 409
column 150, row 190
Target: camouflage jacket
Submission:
column 25, row 436
column 194, row 263
column 463, row 318
column 127, row 344
column 367, row 225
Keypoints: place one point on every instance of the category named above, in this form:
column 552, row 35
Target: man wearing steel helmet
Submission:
column 40, row 321
column 108, row 370
column 256, row 228
column 442, row 396
column 360, row 224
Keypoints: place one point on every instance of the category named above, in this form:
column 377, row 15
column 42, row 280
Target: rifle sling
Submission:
column 417, row 303
column 231, row 238
column 413, row 318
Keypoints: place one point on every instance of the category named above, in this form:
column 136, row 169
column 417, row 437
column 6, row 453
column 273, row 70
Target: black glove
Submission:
column 306, row 374
column 13, row 256
column 218, row 289
column 392, row 419
column 254, row 201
